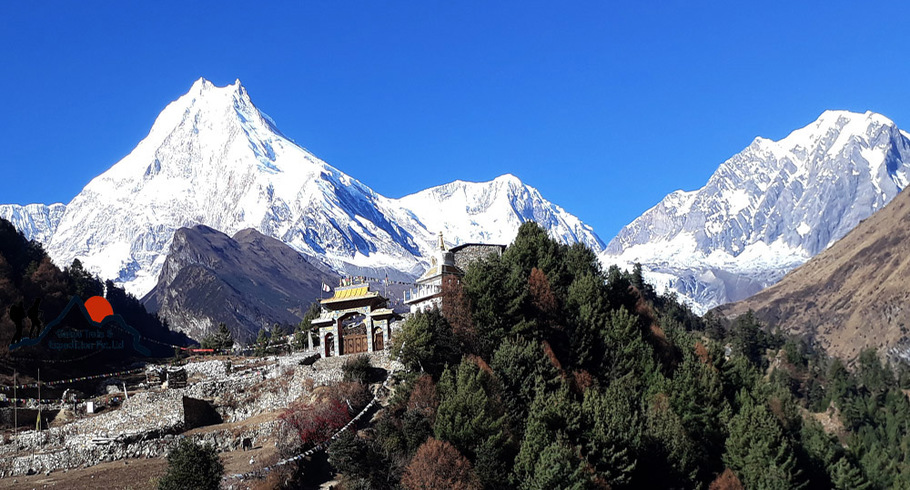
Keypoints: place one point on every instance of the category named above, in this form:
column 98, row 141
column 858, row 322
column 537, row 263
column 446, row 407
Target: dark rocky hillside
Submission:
column 246, row 281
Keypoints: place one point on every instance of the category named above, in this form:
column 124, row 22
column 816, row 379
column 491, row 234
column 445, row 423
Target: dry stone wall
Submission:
column 148, row 424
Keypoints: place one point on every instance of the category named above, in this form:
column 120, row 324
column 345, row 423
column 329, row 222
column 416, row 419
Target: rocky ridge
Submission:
column 246, row 281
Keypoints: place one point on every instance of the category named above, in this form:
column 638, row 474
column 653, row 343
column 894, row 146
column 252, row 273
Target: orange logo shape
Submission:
column 98, row 308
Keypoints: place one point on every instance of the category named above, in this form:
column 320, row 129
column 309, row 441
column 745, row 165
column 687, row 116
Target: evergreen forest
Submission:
column 544, row 371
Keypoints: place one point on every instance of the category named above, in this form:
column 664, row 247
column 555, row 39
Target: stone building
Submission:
column 445, row 263
column 468, row 253
column 428, row 291
column 354, row 320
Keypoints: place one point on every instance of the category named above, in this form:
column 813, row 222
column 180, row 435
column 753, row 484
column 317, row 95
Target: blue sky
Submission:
column 605, row 107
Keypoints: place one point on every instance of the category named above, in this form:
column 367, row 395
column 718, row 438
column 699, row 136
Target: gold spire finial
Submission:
column 442, row 244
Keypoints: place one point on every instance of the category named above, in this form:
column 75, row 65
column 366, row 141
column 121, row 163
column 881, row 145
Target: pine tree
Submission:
column 305, row 327
column 83, row 283
column 486, row 291
column 468, row 413
column 349, row 455
column 846, row 476
column 638, row 280
column 588, row 300
column 225, row 338
column 839, row 379
column 190, row 465
column 624, row 349
column 696, row 395
column 759, row 452
column 222, row 339
column 532, row 248
column 819, row 452
column 880, row 468
column 426, row 343
column 554, row 415
column 872, row 374
column 670, row 454
column 523, row 371
column 262, row 342
column 613, row 432
column 470, row 417
column 557, row 467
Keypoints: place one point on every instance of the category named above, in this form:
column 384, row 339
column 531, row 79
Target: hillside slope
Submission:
column 854, row 295
column 246, row 281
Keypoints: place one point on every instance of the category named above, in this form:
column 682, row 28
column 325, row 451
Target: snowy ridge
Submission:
column 491, row 212
column 768, row 209
column 212, row 158
column 35, row 221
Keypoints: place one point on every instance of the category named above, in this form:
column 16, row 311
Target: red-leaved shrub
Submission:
column 438, row 464
column 303, row 425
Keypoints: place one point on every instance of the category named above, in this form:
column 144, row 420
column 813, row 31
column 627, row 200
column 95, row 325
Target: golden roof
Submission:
column 350, row 293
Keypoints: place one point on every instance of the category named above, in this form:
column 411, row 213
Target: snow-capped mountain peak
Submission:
column 213, row 158
column 492, row 212
column 769, row 208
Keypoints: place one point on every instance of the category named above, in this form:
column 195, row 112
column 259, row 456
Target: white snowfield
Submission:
column 213, row 158
column 767, row 209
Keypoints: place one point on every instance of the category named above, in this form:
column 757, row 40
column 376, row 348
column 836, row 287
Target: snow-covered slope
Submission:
column 212, row 158
column 35, row 221
column 491, row 212
column 768, row 209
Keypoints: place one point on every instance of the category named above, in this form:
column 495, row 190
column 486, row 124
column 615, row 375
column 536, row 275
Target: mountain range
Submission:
column 212, row 158
column 768, row 209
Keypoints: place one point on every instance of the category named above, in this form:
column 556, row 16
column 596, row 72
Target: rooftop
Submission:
column 456, row 248
column 353, row 293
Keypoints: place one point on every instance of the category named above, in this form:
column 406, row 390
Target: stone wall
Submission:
column 26, row 417
column 468, row 254
column 147, row 424
column 198, row 413
column 42, row 455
